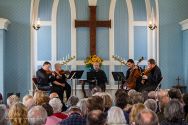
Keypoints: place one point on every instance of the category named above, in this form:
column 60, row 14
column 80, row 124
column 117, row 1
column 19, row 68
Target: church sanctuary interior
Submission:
column 93, row 60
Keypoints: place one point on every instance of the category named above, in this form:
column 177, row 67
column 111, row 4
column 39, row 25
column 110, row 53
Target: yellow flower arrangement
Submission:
column 89, row 61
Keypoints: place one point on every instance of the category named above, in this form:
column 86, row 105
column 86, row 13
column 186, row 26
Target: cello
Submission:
column 130, row 83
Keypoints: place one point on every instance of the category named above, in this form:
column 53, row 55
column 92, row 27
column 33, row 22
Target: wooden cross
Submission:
column 92, row 23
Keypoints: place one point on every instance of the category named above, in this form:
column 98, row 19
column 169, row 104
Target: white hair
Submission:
column 56, row 105
column 151, row 104
column 116, row 116
column 11, row 100
column 37, row 115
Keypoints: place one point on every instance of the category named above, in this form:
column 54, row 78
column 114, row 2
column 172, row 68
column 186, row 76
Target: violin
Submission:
column 49, row 72
column 147, row 73
column 63, row 72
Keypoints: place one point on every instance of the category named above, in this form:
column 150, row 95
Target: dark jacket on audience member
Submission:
column 173, row 123
column 74, row 119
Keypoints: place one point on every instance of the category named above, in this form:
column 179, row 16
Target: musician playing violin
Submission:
column 133, row 74
column 151, row 76
column 59, row 83
column 44, row 76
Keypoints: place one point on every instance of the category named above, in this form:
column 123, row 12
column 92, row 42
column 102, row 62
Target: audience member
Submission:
column 173, row 113
column 72, row 101
column 175, row 94
column 18, row 114
column 11, row 100
column 75, row 117
column 151, row 104
column 3, row 115
column 37, row 115
column 146, row 117
column 41, row 97
column 1, row 99
column 96, row 117
column 134, row 111
column 185, row 108
column 116, row 116
column 57, row 106
column 95, row 103
column 83, row 106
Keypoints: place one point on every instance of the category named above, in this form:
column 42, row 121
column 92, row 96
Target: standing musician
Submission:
column 151, row 76
column 59, row 84
column 100, row 76
column 133, row 76
column 44, row 77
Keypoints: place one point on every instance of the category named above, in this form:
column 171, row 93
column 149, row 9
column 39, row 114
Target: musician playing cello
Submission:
column 133, row 76
column 151, row 76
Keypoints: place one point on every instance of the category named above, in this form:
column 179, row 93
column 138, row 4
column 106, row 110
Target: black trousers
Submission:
column 60, row 90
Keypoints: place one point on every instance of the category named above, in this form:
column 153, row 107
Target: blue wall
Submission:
column 185, row 55
column 171, row 12
column 17, row 45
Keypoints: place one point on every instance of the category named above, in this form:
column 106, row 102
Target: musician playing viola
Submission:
column 59, row 84
column 152, row 76
column 131, row 67
column 44, row 77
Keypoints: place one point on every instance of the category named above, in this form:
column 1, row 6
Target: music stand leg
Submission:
column 75, row 86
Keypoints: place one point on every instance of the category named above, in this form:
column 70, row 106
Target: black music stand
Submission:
column 118, row 76
column 77, row 74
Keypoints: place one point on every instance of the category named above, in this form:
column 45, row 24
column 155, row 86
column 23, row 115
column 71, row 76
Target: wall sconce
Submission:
column 152, row 26
column 36, row 25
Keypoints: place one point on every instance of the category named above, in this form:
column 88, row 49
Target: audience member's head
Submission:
column 116, row 116
column 74, row 109
column 163, row 98
column 72, row 101
column 48, row 109
column 121, row 100
column 185, row 98
column 37, row 115
column 175, row 94
column 53, row 95
column 146, row 117
column 3, row 115
column 11, row 100
column 82, row 104
column 18, row 114
column 137, row 98
column 152, row 95
column 151, row 104
column 95, row 103
column 135, row 110
column 96, row 117
column 40, row 98
column 107, row 100
column 119, row 92
column 95, row 90
column 173, row 111
column 56, row 105
column 131, row 92
column 25, row 98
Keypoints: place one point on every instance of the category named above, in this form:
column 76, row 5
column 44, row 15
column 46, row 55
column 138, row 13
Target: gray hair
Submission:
column 11, row 100
column 56, row 104
column 146, row 117
column 173, row 111
column 3, row 114
column 83, row 106
column 151, row 104
column 37, row 115
column 72, row 101
column 116, row 116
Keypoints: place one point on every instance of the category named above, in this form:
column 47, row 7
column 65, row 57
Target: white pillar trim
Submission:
column 157, row 37
column 4, row 23
column 33, row 38
column 184, row 24
column 131, row 28
column 73, row 30
column 111, row 38
column 54, row 29
column 140, row 23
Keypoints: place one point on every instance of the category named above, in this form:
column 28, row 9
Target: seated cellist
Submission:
column 133, row 76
